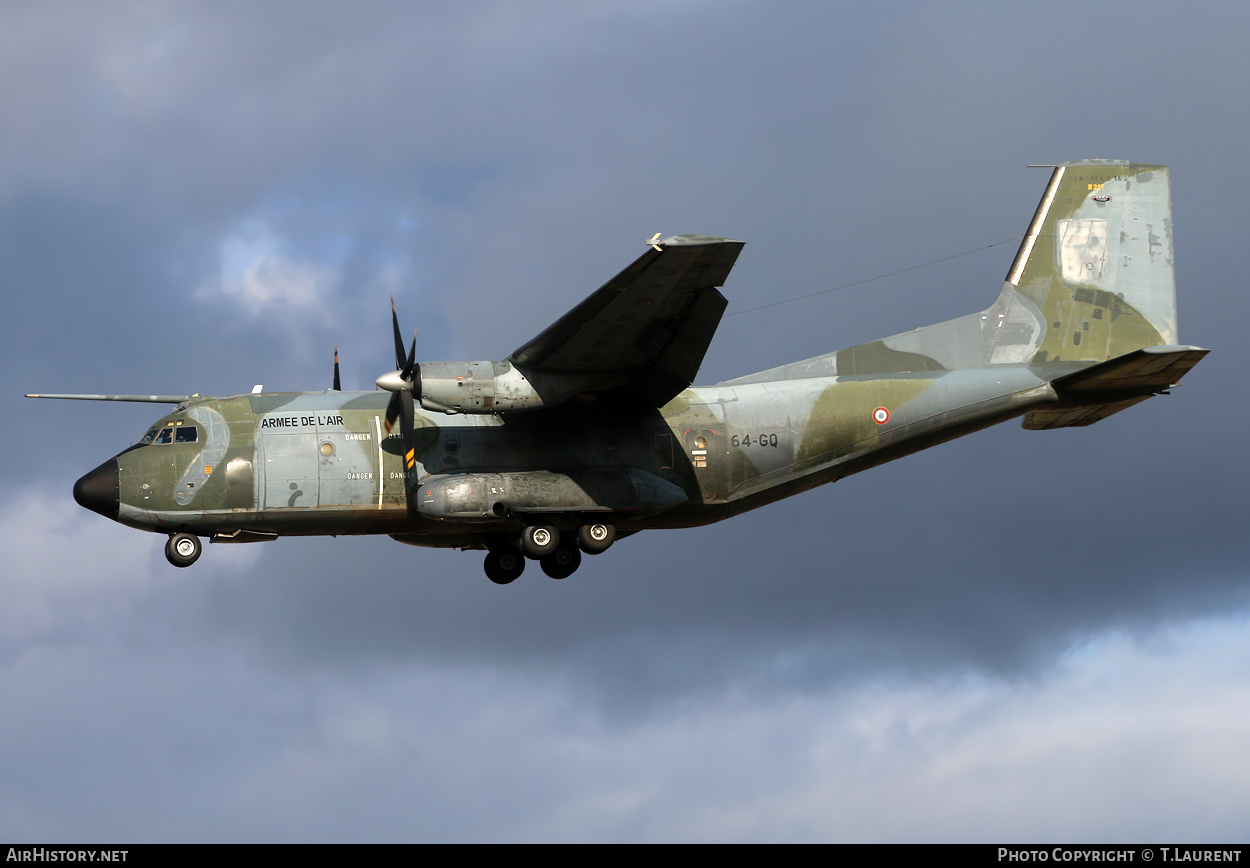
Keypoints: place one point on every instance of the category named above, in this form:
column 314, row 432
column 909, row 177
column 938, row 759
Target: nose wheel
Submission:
column 183, row 549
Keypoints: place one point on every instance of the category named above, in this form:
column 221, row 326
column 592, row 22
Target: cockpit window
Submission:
column 175, row 432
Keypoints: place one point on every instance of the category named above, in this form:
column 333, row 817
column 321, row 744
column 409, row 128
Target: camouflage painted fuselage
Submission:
column 321, row 463
column 1084, row 326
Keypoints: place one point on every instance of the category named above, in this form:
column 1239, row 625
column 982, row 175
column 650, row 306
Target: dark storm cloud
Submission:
column 314, row 100
column 200, row 197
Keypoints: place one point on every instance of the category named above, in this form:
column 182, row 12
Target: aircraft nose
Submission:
column 99, row 490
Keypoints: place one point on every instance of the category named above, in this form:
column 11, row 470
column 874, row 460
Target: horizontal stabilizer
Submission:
column 1094, row 393
column 1075, row 417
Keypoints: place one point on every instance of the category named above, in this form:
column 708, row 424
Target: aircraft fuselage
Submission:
column 252, row 467
column 591, row 431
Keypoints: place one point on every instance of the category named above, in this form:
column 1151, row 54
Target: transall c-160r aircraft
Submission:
column 592, row 432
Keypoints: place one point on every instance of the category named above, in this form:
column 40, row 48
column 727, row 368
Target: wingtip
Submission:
column 696, row 240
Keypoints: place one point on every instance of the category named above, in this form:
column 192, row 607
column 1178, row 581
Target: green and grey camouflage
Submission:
column 592, row 430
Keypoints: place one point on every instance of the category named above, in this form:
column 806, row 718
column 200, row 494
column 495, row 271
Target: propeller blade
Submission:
column 412, row 358
column 338, row 385
column 392, row 410
column 399, row 338
column 410, row 447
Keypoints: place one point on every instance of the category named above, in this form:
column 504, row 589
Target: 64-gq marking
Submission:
column 758, row 440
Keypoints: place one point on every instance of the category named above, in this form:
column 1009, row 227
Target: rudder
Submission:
column 1096, row 262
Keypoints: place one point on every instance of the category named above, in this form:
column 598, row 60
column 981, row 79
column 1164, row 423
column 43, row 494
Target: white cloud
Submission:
column 1123, row 740
column 258, row 275
column 64, row 564
column 67, row 568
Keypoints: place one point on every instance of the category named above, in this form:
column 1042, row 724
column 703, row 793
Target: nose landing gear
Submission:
column 183, row 549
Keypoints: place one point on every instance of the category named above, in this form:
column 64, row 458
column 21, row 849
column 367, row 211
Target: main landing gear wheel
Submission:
column 539, row 540
column 594, row 539
column 562, row 563
column 504, row 566
column 183, row 549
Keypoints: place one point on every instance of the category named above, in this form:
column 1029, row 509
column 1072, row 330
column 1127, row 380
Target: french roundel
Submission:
column 881, row 415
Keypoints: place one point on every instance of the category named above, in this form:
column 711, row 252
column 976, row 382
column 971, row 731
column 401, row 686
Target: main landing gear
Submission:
column 504, row 566
column 559, row 556
column 562, row 563
column 594, row 539
column 183, row 549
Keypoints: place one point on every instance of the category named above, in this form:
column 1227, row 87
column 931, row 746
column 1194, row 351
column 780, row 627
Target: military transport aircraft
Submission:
column 591, row 431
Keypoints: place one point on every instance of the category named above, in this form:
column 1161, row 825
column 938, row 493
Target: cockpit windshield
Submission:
column 175, row 432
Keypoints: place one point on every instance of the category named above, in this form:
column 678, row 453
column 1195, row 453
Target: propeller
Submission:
column 338, row 385
column 403, row 383
column 406, row 379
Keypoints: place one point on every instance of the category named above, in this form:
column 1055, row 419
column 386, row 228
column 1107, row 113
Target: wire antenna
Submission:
column 871, row 279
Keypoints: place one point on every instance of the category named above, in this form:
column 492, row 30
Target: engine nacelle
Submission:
column 476, row 387
column 493, row 496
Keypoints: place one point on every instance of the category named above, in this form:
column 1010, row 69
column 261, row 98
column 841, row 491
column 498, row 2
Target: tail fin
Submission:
column 1091, row 282
column 1096, row 263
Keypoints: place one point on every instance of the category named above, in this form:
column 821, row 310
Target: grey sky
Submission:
column 1016, row 636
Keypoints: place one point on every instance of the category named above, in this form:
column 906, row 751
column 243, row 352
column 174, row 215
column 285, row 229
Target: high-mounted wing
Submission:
column 647, row 329
column 137, row 399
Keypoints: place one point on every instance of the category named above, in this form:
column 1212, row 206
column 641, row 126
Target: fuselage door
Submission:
column 349, row 468
column 291, row 469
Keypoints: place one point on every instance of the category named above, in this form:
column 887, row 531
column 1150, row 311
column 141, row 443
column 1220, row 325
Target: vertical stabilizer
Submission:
column 1096, row 263
column 1092, row 281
